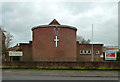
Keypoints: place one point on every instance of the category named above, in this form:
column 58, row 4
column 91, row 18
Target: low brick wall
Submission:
column 68, row 64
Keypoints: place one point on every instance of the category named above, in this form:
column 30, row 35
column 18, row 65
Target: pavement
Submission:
column 59, row 75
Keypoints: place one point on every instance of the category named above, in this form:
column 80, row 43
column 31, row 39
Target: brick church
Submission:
column 56, row 42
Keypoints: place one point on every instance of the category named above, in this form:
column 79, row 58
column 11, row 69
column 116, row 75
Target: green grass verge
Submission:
column 60, row 68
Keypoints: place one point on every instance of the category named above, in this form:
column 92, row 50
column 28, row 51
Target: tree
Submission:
column 81, row 40
column 8, row 38
column 6, row 42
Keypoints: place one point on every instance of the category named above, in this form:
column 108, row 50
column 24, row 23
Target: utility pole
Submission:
column 92, row 59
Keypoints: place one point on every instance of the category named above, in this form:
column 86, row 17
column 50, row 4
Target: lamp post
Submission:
column 92, row 59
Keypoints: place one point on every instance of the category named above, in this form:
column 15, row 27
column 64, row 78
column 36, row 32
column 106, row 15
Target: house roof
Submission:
column 1, row 31
column 14, row 48
column 94, row 43
column 54, row 23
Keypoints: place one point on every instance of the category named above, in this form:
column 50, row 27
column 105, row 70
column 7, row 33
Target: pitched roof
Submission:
column 3, row 34
column 54, row 22
column 14, row 48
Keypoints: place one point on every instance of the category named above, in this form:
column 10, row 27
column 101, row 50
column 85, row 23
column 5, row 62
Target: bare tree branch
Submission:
column 81, row 40
column 8, row 40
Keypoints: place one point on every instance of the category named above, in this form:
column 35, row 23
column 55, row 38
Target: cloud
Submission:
column 19, row 17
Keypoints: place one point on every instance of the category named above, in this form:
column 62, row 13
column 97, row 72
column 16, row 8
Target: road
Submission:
column 58, row 75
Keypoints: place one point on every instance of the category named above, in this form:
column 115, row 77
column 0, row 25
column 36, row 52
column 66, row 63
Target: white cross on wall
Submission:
column 56, row 40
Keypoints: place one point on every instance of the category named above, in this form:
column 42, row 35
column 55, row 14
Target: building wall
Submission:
column 3, row 40
column 85, row 65
column 2, row 45
column 26, row 48
column 87, row 57
column 44, row 48
column 0, row 41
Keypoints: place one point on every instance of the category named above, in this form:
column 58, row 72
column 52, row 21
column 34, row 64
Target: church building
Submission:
column 56, row 42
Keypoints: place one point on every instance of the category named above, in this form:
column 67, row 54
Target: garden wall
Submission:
column 67, row 64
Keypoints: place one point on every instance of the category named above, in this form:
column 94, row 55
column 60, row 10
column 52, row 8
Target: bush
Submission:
column 118, row 56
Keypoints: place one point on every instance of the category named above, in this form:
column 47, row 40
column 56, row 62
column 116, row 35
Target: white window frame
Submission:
column 82, row 52
column 97, row 52
column 88, row 51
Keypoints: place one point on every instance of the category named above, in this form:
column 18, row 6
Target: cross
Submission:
column 56, row 40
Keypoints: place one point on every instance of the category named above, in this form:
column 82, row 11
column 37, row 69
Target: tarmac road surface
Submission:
column 58, row 75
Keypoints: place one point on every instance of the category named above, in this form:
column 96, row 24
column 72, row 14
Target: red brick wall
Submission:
column 3, row 43
column 69, row 64
column 44, row 46
column 27, row 51
column 87, row 57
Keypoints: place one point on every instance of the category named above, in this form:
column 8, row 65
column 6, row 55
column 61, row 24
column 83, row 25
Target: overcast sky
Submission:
column 19, row 17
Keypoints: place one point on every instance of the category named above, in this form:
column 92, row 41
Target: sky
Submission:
column 19, row 18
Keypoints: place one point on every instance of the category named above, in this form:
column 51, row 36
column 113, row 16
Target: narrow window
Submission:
column 89, row 52
column 85, row 52
column 97, row 52
column 81, row 51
